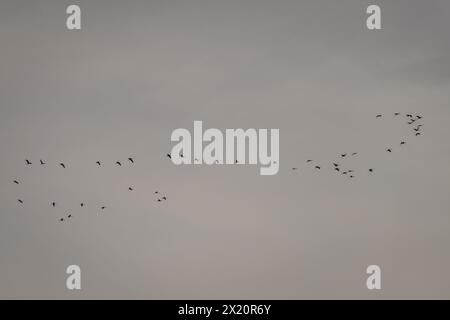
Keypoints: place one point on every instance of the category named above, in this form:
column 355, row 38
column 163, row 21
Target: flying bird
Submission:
column 156, row 192
column 82, row 205
column 99, row 163
column 354, row 153
column 54, row 204
column 164, row 198
column 130, row 188
column 397, row 113
column 42, row 162
column 159, row 200
column 417, row 134
column 379, row 116
column 409, row 115
column 337, row 169
column 370, row 170
column 118, row 163
column 336, row 164
column 317, row 167
column 169, row 156
column 28, row 162
column 62, row 165
column 131, row 160
column 308, row 161
column 16, row 182
column 61, row 219
column 20, row 201
column 69, row 216
column 389, row 150
column 343, row 155
column 402, row 143
column 103, row 208
column 294, row 168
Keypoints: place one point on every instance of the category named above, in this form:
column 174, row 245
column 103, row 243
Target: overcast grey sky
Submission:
column 140, row 69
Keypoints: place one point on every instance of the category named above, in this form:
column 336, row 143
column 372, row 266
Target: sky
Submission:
column 137, row 70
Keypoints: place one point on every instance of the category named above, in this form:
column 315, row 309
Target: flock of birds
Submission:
column 160, row 197
column 412, row 121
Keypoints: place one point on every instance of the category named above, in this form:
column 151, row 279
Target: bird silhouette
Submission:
column 337, row 169
column 370, row 170
column 409, row 115
column 379, row 116
column 354, row 153
column 131, row 160
column 336, row 164
column 397, row 114
column 28, row 162
column 103, row 208
column 61, row 219
column 343, row 155
column 294, row 168
column 16, row 182
column 69, row 216
column 82, row 204
column 99, row 163
column 156, row 192
column 416, row 129
column 20, row 201
column 419, row 117
column 118, row 163
column 417, row 134
column 130, row 188
column 164, row 198
column 159, row 200
column 62, row 165
column 389, row 150
column 54, row 204
column 317, row 167
column 308, row 161
column 169, row 156
column 351, row 176
column 42, row 162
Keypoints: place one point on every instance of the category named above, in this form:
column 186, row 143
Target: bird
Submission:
column 99, row 163
column 82, row 205
column 389, row 150
column 61, row 219
column 130, row 188
column 370, row 170
column 169, row 156
column 336, row 164
column 417, row 134
column 69, row 216
column 409, row 115
column 343, row 155
column 237, row 161
column 16, row 182
column 419, row 117
column 131, row 160
column 337, row 169
column 118, row 163
column 20, row 201
column 308, row 161
column 156, row 192
column 159, row 200
column 28, row 162
column 54, row 204
column 397, row 113
column 294, row 168
column 181, row 155
column 164, row 198
column 379, row 116
column 345, row 172
column 351, row 176
column 402, row 143
column 317, row 167
column 62, row 165
column 354, row 153
column 350, row 171
column 103, row 208
column 416, row 129
column 42, row 162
